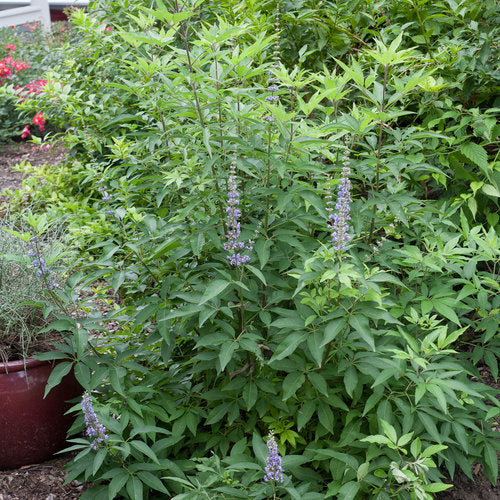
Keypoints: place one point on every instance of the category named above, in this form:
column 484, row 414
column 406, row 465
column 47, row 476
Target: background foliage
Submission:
column 365, row 362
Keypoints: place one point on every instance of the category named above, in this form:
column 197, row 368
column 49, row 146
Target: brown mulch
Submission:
column 40, row 482
column 45, row 481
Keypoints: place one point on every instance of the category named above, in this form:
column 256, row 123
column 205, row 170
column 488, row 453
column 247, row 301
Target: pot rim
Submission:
column 20, row 365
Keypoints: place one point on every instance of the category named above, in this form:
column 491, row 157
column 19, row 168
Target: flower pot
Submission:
column 32, row 429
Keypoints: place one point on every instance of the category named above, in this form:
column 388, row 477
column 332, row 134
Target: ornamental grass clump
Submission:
column 26, row 283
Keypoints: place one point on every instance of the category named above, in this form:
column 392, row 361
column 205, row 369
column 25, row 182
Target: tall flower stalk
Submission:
column 233, row 246
column 94, row 429
column 338, row 220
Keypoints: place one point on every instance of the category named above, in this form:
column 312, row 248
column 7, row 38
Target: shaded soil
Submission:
column 15, row 153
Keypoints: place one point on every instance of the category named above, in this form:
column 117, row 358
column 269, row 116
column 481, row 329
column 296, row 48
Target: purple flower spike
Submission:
column 95, row 429
column 338, row 222
column 274, row 470
column 233, row 246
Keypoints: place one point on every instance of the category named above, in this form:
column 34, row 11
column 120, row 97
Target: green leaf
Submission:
column 389, row 431
column 446, row 311
column 314, row 344
column 257, row 273
column 431, row 450
column 429, row 426
column 363, row 470
column 318, row 382
column 250, row 394
column 152, row 481
column 117, row 483
column 259, row 448
column 436, row 487
column 491, row 459
column 351, row 380
column 361, row 325
column 217, row 413
column 305, row 413
column 135, row 488
column 438, row 393
column 226, row 353
column 288, row 346
column 215, row 288
column 325, row 416
column 332, row 329
column 98, row 460
column 377, row 439
column 491, row 190
column 476, row 154
column 292, row 382
column 348, row 491
column 144, row 448
column 56, row 375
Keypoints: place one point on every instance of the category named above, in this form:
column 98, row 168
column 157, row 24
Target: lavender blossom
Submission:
column 232, row 245
column 94, row 429
column 274, row 470
column 339, row 221
column 38, row 262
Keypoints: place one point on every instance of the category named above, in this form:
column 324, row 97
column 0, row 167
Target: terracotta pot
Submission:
column 32, row 429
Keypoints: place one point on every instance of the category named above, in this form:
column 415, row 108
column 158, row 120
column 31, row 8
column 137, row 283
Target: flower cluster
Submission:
column 94, row 428
column 26, row 132
column 8, row 64
column 38, row 262
column 274, row 469
column 31, row 27
column 39, row 120
column 35, row 87
column 105, row 197
column 338, row 221
column 10, row 47
column 232, row 246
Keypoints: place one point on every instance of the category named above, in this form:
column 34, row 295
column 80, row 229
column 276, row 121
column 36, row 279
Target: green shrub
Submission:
column 361, row 358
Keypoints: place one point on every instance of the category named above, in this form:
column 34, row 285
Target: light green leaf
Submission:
column 476, row 154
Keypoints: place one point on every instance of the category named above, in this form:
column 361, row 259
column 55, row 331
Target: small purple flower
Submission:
column 338, row 222
column 38, row 262
column 94, row 428
column 272, row 98
column 233, row 246
column 106, row 196
column 274, row 469
column 110, row 212
column 268, row 118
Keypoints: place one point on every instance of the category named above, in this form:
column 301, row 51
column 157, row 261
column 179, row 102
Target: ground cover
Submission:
column 297, row 207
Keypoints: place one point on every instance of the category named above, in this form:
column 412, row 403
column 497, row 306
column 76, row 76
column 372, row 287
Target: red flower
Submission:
column 26, row 132
column 10, row 47
column 39, row 120
column 108, row 28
